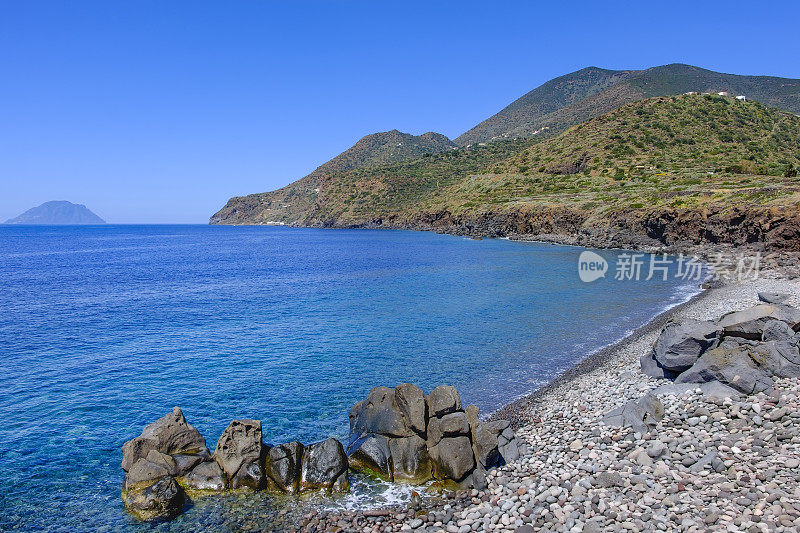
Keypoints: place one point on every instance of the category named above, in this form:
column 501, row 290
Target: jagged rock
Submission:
column 410, row 460
column 170, row 435
column 777, row 330
column 681, row 344
column 239, row 448
column 411, row 402
column 651, row 367
column 778, row 358
column 379, row 413
column 206, row 476
column 282, row 467
column 370, row 454
column 639, row 414
column 185, row 463
column 772, row 297
column 750, row 323
column 452, row 458
column 449, row 425
column 145, row 470
column 324, row 467
column 732, row 365
column 161, row 499
column 484, row 441
column 442, row 400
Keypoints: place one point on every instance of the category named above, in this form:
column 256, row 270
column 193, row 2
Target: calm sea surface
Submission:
column 103, row 329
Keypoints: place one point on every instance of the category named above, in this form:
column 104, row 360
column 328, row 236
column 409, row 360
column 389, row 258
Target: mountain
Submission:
column 373, row 150
column 718, row 160
column 591, row 92
column 57, row 212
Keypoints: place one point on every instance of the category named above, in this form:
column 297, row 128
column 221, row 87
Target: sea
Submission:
column 103, row 329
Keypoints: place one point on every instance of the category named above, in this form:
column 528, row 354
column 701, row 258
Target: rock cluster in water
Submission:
column 397, row 434
column 402, row 435
column 170, row 458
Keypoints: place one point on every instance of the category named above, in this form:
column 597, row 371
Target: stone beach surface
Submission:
column 713, row 463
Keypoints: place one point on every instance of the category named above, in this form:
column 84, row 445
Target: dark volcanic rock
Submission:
column 732, row 365
column 283, row 467
column 370, row 454
column 410, row 460
column 324, row 467
column 452, row 458
column 170, row 434
column 206, row 476
column 442, row 400
column 161, row 499
column 681, row 344
column 239, row 448
column 411, row 402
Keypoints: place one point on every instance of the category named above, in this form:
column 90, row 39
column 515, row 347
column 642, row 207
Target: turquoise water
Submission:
column 105, row 328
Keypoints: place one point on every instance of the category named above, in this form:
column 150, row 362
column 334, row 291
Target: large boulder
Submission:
column 773, row 297
column 681, row 344
column 155, row 466
column 779, row 358
column 651, row 367
column 731, row 364
column 159, row 499
column 442, row 400
column 449, row 425
column 170, row 435
column 324, row 467
column 282, row 467
column 239, row 454
column 379, row 413
column 371, row 455
column 411, row 402
column 484, row 440
column 750, row 323
column 452, row 458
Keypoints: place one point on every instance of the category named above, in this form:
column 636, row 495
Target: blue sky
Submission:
column 158, row 112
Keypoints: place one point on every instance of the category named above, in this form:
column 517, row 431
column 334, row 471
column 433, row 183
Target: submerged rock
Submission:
column 161, row 499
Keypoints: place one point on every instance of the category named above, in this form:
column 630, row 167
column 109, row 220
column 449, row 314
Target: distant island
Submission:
column 57, row 212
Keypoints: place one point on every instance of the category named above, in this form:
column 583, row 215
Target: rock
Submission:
column 144, row 471
column 608, row 479
column 410, row 460
column 680, row 344
column 656, row 449
column 411, row 402
column 324, row 467
column 282, row 467
column 452, row 458
column 442, row 400
column 749, row 323
column 638, row 414
column 206, row 476
column 651, row 367
column 730, row 365
column 779, row 358
column 772, row 297
column 378, row 413
column 449, row 425
column 370, row 454
column 485, row 444
column 161, row 499
column 170, row 435
column 185, row 463
column 777, row 330
column 239, row 448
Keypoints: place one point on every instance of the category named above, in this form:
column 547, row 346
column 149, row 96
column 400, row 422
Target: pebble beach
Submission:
column 712, row 463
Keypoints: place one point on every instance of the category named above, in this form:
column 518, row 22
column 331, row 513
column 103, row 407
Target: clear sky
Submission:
column 159, row 111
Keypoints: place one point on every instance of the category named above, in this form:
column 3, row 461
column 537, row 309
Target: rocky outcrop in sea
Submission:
column 398, row 435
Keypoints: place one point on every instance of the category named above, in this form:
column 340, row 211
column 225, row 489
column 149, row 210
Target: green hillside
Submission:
column 588, row 93
column 664, row 152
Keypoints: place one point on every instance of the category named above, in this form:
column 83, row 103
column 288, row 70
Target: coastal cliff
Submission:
column 664, row 171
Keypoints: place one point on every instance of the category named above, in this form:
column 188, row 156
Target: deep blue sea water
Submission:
column 103, row 329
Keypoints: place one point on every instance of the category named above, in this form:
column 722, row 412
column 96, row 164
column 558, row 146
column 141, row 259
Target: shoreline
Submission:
column 604, row 355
